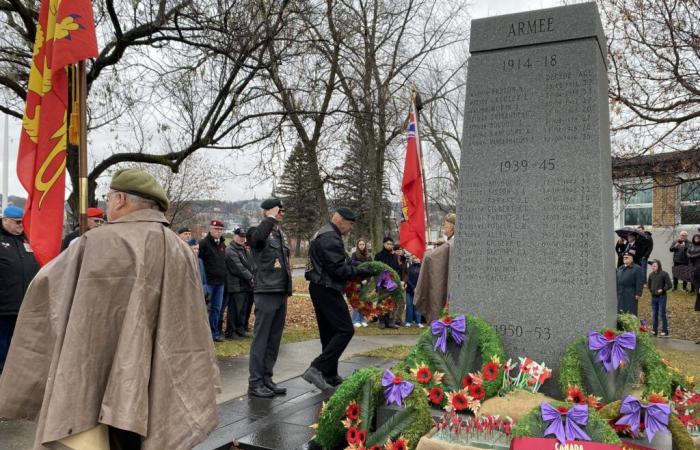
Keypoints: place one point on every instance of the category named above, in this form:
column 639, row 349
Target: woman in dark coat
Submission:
column 360, row 255
column 630, row 282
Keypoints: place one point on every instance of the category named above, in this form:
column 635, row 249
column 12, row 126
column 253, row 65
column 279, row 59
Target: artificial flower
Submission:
column 457, row 401
column 508, row 365
column 544, row 376
column 575, row 395
column 490, row 371
column 400, row 444
column 436, row 395
column 496, row 360
column 361, row 436
column 351, row 436
column 422, row 373
column 477, row 391
column 657, row 397
column 609, row 334
column 467, row 381
column 477, row 378
column 437, row 377
column 353, row 411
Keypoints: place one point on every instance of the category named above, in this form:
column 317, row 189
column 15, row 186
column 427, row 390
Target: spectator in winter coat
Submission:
column 681, row 268
column 360, row 255
column 646, row 247
column 184, row 233
column 194, row 245
column 659, row 283
column 212, row 251
column 620, row 250
column 239, row 284
column 630, row 282
column 17, row 269
column 387, row 256
column 412, row 314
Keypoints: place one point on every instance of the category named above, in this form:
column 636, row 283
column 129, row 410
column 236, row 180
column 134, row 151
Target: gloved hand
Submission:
column 364, row 273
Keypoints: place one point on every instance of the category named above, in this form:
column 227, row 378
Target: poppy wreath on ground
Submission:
column 343, row 419
column 580, row 368
column 379, row 294
column 465, row 374
column 597, row 428
column 679, row 434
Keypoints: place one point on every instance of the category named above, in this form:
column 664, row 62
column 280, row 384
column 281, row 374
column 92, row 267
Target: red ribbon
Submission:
column 532, row 443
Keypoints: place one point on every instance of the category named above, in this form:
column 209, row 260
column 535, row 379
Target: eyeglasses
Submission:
column 17, row 221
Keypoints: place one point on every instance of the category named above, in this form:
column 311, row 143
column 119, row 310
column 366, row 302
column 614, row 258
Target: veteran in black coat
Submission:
column 630, row 282
column 328, row 270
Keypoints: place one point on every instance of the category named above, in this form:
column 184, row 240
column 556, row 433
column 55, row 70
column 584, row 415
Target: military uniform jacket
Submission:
column 17, row 269
column 271, row 256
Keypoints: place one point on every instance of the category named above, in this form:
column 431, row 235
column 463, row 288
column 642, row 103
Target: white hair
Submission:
column 146, row 202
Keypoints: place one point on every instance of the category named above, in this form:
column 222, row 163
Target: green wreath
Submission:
column 597, row 428
column 369, row 300
column 482, row 344
column 578, row 364
column 679, row 434
column 412, row 424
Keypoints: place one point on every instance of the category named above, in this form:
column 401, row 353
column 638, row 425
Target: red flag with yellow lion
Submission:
column 65, row 35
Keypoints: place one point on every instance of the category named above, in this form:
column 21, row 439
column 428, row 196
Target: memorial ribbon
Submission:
column 569, row 430
column 456, row 326
column 656, row 416
column 386, row 282
column 611, row 351
column 396, row 389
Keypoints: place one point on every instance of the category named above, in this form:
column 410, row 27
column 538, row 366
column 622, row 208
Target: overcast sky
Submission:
column 242, row 188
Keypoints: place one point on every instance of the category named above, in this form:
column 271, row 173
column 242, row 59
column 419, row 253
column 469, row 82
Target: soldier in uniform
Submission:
column 273, row 284
column 328, row 270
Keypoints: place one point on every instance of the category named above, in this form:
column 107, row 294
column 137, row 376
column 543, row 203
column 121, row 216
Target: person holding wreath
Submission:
column 328, row 270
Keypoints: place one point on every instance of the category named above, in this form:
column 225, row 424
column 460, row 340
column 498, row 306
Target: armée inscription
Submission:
column 533, row 26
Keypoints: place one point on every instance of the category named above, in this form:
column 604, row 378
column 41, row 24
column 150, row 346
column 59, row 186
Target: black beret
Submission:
column 270, row 203
column 239, row 232
column 347, row 213
column 183, row 230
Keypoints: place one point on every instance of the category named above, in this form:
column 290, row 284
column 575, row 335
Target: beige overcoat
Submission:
column 114, row 331
column 433, row 282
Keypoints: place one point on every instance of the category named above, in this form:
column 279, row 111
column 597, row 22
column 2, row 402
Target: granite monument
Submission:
column 533, row 252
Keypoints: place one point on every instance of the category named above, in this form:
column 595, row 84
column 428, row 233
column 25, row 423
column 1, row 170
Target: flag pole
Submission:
column 414, row 94
column 6, row 164
column 82, row 149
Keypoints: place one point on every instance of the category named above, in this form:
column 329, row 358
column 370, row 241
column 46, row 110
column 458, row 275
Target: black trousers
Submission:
column 334, row 326
column 270, row 313
column 236, row 315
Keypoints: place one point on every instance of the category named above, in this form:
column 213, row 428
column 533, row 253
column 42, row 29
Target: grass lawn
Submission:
column 683, row 320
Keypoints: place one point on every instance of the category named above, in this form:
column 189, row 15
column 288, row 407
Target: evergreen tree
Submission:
column 296, row 189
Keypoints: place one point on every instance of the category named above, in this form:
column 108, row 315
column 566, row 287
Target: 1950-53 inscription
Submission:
column 514, row 330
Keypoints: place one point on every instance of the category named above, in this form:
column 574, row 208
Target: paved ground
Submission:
column 293, row 360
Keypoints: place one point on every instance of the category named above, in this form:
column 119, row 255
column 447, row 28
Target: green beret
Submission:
column 270, row 203
column 138, row 182
column 452, row 218
column 347, row 213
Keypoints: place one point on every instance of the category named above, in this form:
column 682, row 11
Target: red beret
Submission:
column 95, row 212
column 216, row 223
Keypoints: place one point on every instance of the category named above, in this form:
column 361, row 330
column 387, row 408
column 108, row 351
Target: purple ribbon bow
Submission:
column 386, row 282
column 396, row 389
column 656, row 416
column 611, row 352
column 576, row 418
column 457, row 327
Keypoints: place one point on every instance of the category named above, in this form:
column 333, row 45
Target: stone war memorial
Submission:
column 533, row 253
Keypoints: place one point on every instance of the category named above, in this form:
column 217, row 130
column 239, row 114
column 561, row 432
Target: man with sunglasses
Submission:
column 17, row 269
column 95, row 218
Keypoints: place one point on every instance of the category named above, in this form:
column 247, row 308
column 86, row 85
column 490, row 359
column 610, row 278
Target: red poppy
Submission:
column 376, row 447
column 351, row 436
column 477, row 391
column 460, row 402
column 447, row 320
column 563, row 409
column 657, row 398
column 423, row 375
column 490, row 371
column 353, row 411
column 467, row 381
column 609, row 334
column 397, row 380
column 400, row 444
column 575, row 395
column 436, row 395
column 361, row 436
column 389, row 303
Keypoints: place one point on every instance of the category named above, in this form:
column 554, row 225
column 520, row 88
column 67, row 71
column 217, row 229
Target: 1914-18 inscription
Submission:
column 532, row 250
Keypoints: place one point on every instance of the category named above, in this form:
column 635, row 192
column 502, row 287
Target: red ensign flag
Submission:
column 65, row 35
column 412, row 229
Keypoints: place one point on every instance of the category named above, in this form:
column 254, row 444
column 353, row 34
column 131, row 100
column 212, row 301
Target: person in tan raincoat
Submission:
column 434, row 278
column 112, row 346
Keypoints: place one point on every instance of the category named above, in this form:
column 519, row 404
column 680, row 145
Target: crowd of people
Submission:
column 633, row 250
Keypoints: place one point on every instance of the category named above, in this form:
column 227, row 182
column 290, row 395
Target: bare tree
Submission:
column 654, row 50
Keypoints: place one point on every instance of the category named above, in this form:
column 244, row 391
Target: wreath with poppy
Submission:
column 579, row 369
column 466, row 374
column 597, row 427
column 373, row 298
column 344, row 419
column 679, row 433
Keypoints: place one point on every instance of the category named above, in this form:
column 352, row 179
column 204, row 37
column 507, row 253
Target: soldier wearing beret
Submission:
column 272, row 286
column 112, row 349
column 328, row 270
column 95, row 218
column 185, row 233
